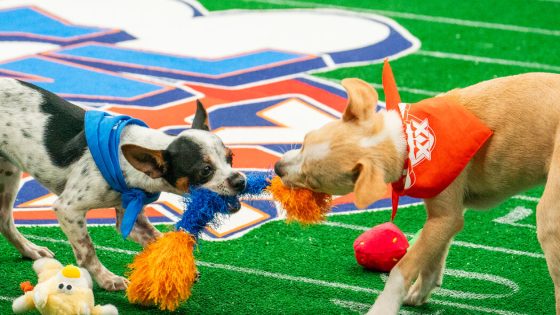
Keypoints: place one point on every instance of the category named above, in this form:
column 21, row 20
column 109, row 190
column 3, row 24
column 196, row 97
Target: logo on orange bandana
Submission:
column 442, row 137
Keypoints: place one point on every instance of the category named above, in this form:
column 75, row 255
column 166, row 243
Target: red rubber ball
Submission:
column 381, row 247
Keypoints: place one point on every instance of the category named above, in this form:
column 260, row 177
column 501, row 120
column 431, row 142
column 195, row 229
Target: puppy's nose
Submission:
column 237, row 182
column 278, row 169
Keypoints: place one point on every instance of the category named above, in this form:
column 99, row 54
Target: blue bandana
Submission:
column 103, row 135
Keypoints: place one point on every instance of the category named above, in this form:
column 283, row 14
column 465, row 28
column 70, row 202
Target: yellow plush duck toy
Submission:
column 61, row 291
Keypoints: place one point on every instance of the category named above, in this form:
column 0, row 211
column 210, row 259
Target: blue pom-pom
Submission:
column 202, row 205
column 256, row 183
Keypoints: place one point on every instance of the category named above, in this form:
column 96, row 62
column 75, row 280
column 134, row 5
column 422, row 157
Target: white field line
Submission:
column 527, row 198
column 409, row 90
column 498, row 61
column 401, row 88
column 363, row 307
column 419, row 17
column 455, row 243
column 279, row 276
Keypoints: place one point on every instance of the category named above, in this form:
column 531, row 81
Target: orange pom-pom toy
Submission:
column 302, row 205
column 165, row 271
column 156, row 279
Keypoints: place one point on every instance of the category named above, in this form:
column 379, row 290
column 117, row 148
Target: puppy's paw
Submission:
column 112, row 282
column 32, row 251
column 417, row 295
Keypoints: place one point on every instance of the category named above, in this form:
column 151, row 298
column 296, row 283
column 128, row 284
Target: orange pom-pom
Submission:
column 164, row 272
column 302, row 205
column 26, row 286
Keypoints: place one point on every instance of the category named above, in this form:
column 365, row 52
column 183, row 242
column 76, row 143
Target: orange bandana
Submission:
column 442, row 137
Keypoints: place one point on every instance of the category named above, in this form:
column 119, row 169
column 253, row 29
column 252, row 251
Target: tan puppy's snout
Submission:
column 280, row 168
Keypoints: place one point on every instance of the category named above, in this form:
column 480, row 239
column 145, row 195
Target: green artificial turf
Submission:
column 289, row 269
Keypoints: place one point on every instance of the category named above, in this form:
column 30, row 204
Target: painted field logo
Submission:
column 249, row 68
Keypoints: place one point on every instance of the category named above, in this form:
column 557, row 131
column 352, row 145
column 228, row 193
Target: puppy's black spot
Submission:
column 25, row 133
column 81, row 223
column 184, row 158
column 4, row 135
column 80, row 198
column 9, row 173
column 64, row 136
column 84, row 171
column 8, row 124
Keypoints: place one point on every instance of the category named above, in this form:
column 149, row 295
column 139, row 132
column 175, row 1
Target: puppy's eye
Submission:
column 207, row 171
column 61, row 286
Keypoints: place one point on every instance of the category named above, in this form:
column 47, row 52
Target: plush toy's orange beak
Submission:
column 71, row 271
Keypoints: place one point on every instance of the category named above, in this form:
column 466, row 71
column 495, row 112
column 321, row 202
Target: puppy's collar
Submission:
column 103, row 136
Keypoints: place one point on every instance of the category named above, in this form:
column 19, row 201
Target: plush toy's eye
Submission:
column 68, row 287
column 61, row 286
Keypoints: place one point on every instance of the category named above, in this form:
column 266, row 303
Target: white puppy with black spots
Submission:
column 43, row 135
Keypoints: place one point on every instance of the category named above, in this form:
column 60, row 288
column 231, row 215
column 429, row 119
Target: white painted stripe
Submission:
column 455, row 243
column 474, row 308
column 363, row 307
column 231, row 268
column 498, row 249
column 401, row 88
column 505, row 62
column 515, row 215
column 288, row 277
column 410, row 90
column 418, row 17
column 97, row 247
column 6, row 298
column 514, row 287
column 526, row 198
column 346, row 226
column 280, row 276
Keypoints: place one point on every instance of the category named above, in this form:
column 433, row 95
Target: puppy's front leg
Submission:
column 143, row 231
column 427, row 256
column 73, row 223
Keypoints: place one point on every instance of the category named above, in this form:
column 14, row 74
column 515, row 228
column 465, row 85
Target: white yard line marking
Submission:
column 526, row 198
column 401, row 88
column 418, row 17
column 410, row 90
column 232, row 268
column 363, row 307
column 288, row 277
column 515, row 215
column 455, row 243
column 498, row 61
column 281, row 276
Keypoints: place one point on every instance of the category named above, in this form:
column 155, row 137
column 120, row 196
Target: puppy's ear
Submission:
column 362, row 100
column 370, row 185
column 151, row 162
column 200, row 120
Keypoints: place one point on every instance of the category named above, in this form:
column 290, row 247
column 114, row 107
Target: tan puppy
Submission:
column 365, row 150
